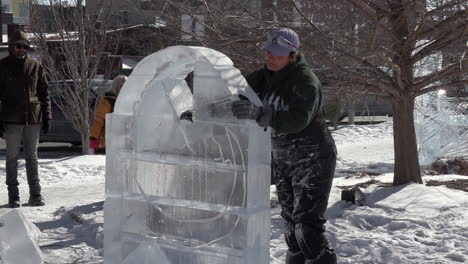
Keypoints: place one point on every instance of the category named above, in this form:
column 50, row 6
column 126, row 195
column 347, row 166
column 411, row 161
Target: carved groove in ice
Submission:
column 186, row 182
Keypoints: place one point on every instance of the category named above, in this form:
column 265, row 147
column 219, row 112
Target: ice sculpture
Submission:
column 186, row 182
column 18, row 239
column 441, row 124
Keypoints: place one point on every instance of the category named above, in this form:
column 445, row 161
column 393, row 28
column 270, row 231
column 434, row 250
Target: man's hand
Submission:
column 244, row 109
column 46, row 126
column 265, row 117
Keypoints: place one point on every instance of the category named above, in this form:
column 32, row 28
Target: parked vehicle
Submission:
column 62, row 128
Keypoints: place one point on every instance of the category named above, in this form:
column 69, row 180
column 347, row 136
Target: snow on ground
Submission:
column 72, row 220
column 405, row 224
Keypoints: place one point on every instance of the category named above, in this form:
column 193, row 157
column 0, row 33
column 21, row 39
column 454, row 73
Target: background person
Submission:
column 97, row 138
column 25, row 110
column 304, row 153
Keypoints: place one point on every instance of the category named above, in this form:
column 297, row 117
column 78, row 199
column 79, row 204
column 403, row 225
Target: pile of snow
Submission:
column 404, row 224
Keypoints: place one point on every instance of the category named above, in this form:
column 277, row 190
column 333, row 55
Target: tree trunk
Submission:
column 85, row 144
column 404, row 136
column 351, row 112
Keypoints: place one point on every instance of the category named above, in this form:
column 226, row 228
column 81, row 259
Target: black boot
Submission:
column 13, row 196
column 294, row 258
column 36, row 200
column 14, row 203
column 35, row 197
column 327, row 256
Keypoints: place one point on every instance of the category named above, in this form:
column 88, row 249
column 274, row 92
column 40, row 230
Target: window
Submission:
column 23, row 10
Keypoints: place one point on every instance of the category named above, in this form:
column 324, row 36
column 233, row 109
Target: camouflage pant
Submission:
column 304, row 174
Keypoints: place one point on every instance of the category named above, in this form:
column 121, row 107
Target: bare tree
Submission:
column 396, row 38
column 70, row 46
column 372, row 45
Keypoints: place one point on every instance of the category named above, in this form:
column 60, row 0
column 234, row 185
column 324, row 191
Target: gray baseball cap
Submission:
column 281, row 42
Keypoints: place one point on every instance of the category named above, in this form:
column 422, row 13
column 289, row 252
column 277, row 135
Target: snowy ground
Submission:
column 406, row 224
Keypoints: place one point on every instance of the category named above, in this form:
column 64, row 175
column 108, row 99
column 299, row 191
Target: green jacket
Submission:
column 24, row 92
column 295, row 94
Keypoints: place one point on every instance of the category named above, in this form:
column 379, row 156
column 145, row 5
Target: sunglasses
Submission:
column 279, row 40
column 20, row 46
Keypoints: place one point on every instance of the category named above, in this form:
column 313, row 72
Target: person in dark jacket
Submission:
column 304, row 152
column 97, row 138
column 25, row 110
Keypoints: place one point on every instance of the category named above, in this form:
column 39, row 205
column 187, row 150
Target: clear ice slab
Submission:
column 18, row 239
column 186, row 182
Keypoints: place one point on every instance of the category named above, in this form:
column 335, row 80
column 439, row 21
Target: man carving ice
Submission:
column 304, row 152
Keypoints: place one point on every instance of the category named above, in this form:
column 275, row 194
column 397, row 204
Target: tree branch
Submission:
column 397, row 70
column 432, row 31
column 375, row 18
column 361, row 77
column 441, row 42
column 442, row 86
column 449, row 71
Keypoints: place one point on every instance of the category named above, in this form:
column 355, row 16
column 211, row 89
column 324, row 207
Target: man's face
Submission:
column 20, row 50
column 275, row 63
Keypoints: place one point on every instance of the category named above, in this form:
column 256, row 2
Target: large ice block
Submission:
column 18, row 239
column 186, row 182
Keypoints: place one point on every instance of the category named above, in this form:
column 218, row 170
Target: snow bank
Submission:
column 405, row 224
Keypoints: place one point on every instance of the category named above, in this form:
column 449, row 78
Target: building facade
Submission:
column 19, row 9
column 123, row 12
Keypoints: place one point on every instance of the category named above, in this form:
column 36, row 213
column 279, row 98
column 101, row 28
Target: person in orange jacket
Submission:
column 97, row 138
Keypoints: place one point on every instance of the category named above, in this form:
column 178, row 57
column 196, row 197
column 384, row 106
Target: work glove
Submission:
column 265, row 116
column 46, row 126
column 244, row 109
column 93, row 143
